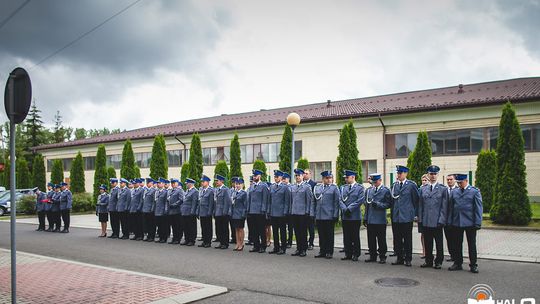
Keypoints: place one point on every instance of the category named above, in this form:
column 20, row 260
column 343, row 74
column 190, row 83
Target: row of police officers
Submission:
column 55, row 206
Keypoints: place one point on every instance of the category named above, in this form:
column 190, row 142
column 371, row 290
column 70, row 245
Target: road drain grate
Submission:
column 396, row 282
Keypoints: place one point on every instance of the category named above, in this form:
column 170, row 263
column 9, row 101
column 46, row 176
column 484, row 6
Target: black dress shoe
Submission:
column 474, row 268
column 232, row 242
column 408, row 263
column 342, row 250
column 163, row 241
column 183, row 243
column 455, row 267
column 289, row 245
column 201, row 245
column 207, row 245
column 393, row 254
column 254, row 250
column 132, row 238
column 370, row 260
column 302, row 254
column 223, row 247
column 382, row 261
column 437, row 266
column 328, row 256
column 296, row 253
column 113, row 236
column 262, row 250
column 449, row 260
column 320, row 255
column 174, row 242
column 272, row 252
column 217, row 247
column 199, row 239
column 310, row 247
column 346, row 258
column 215, row 240
column 423, row 257
column 354, row 258
column 426, row 265
column 281, row 252
column 124, row 237
column 249, row 243
column 138, row 239
column 39, row 229
column 398, row 262
column 149, row 240
column 190, row 244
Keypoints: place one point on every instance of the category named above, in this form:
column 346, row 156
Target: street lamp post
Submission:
column 293, row 120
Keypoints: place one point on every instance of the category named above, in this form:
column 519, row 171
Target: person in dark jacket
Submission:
column 238, row 211
column 41, row 202
column 102, row 209
column 325, row 210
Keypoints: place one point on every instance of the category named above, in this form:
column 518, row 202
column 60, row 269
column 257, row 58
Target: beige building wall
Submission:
column 320, row 141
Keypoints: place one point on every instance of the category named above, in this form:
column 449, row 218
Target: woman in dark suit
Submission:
column 238, row 211
column 102, row 209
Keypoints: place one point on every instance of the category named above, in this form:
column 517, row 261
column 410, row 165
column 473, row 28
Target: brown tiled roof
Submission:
column 516, row 90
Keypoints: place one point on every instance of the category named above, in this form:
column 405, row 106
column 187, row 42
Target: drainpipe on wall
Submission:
column 384, row 146
column 183, row 152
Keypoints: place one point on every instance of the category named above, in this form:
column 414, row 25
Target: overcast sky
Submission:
column 166, row 61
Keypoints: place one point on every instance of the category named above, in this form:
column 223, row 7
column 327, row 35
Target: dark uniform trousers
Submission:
column 351, row 237
column 311, row 230
column 41, row 218
column 259, row 231
column 300, row 231
column 457, row 236
column 449, row 241
column 123, row 218
column 115, row 223
column 189, row 225
column 50, row 219
column 377, row 236
column 206, row 229
column 163, row 228
column 403, row 241
column 149, row 222
column 394, row 239
column 279, row 226
column 430, row 234
column 326, row 236
column 290, row 229
column 57, row 219
column 251, row 229
column 136, row 224
column 175, row 222
column 65, row 218
column 222, row 230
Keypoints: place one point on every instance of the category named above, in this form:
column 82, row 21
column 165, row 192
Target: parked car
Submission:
column 5, row 199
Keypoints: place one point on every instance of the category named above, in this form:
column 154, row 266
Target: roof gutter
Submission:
column 184, row 152
column 384, row 144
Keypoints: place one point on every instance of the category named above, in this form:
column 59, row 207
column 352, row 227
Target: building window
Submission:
column 368, row 167
column 89, row 163
column 142, row 160
column 67, row 163
column 297, row 149
column 114, row 161
column 246, row 153
column 174, row 158
column 318, row 167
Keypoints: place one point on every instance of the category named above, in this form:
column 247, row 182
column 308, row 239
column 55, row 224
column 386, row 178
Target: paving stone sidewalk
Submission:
column 42, row 279
column 509, row 245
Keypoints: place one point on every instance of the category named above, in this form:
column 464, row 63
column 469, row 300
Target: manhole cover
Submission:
column 396, row 282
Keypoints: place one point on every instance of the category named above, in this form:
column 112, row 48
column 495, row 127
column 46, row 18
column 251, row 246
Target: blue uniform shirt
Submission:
column 405, row 205
column 113, row 199
column 222, row 200
column 136, row 200
column 41, row 202
column 55, row 201
column 352, row 197
column 377, row 201
column 206, row 202
column 66, row 200
column 280, row 200
column 176, row 199
column 191, row 202
column 48, row 205
column 238, row 205
column 102, row 202
column 124, row 199
column 465, row 208
column 301, row 199
column 161, row 202
column 258, row 198
column 326, row 202
column 433, row 205
column 149, row 199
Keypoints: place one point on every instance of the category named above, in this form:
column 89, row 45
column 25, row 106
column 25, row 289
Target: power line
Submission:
column 13, row 13
column 84, row 34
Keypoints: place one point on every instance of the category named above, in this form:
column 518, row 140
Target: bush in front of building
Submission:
column 83, row 202
column 57, row 171
column 24, row 180
column 235, row 159
column 285, row 150
column 100, row 174
column 420, row 158
column 259, row 164
column 184, row 173
column 347, row 152
column 223, row 170
column 511, row 202
column 76, row 174
column 137, row 171
column 486, row 176
column 159, row 166
column 303, row 163
column 38, row 172
column 111, row 173
column 27, row 204
column 195, row 159
column 127, row 168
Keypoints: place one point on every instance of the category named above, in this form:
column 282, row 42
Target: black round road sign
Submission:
column 18, row 95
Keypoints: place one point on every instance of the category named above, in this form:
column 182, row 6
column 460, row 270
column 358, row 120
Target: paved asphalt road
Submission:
column 264, row 278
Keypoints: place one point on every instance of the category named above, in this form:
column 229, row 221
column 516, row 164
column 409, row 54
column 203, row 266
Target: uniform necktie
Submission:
column 400, row 185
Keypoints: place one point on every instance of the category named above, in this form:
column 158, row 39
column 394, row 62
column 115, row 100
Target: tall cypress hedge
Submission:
column 76, row 174
column 184, row 173
column 511, row 202
column 259, row 164
column 38, row 172
column 223, row 170
column 420, row 158
column 57, row 171
column 127, row 168
column 486, row 176
column 303, row 163
column 111, row 173
column 236, row 160
column 159, row 163
column 347, row 152
column 195, row 158
column 100, row 174
column 23, row 177
column 285, row 150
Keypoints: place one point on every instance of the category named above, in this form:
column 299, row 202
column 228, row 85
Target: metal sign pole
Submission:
column 13, row 212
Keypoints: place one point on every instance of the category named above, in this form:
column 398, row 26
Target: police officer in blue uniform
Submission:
column 101, row 209
column 149, row 204
column 378, row 200
column 55, row 208
column 285, row 179
column 432, row 214
column 250, row 219
column 122, row 207
column 238, row 211
column 352, row 197
column 135, row 210
column 404, row 210
column 325, row 210
column 205, row 210
column 311, row 220
column 258, row 199
column 189, row 213
column 113, row 213
column 41, row 202
column 176, row 199
column 465, row 217
column 278, row 210
column 301, row 201
column 66, row 202
column 451, row 185
column 48, row 205
column 222, row 199
column 160, row 210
